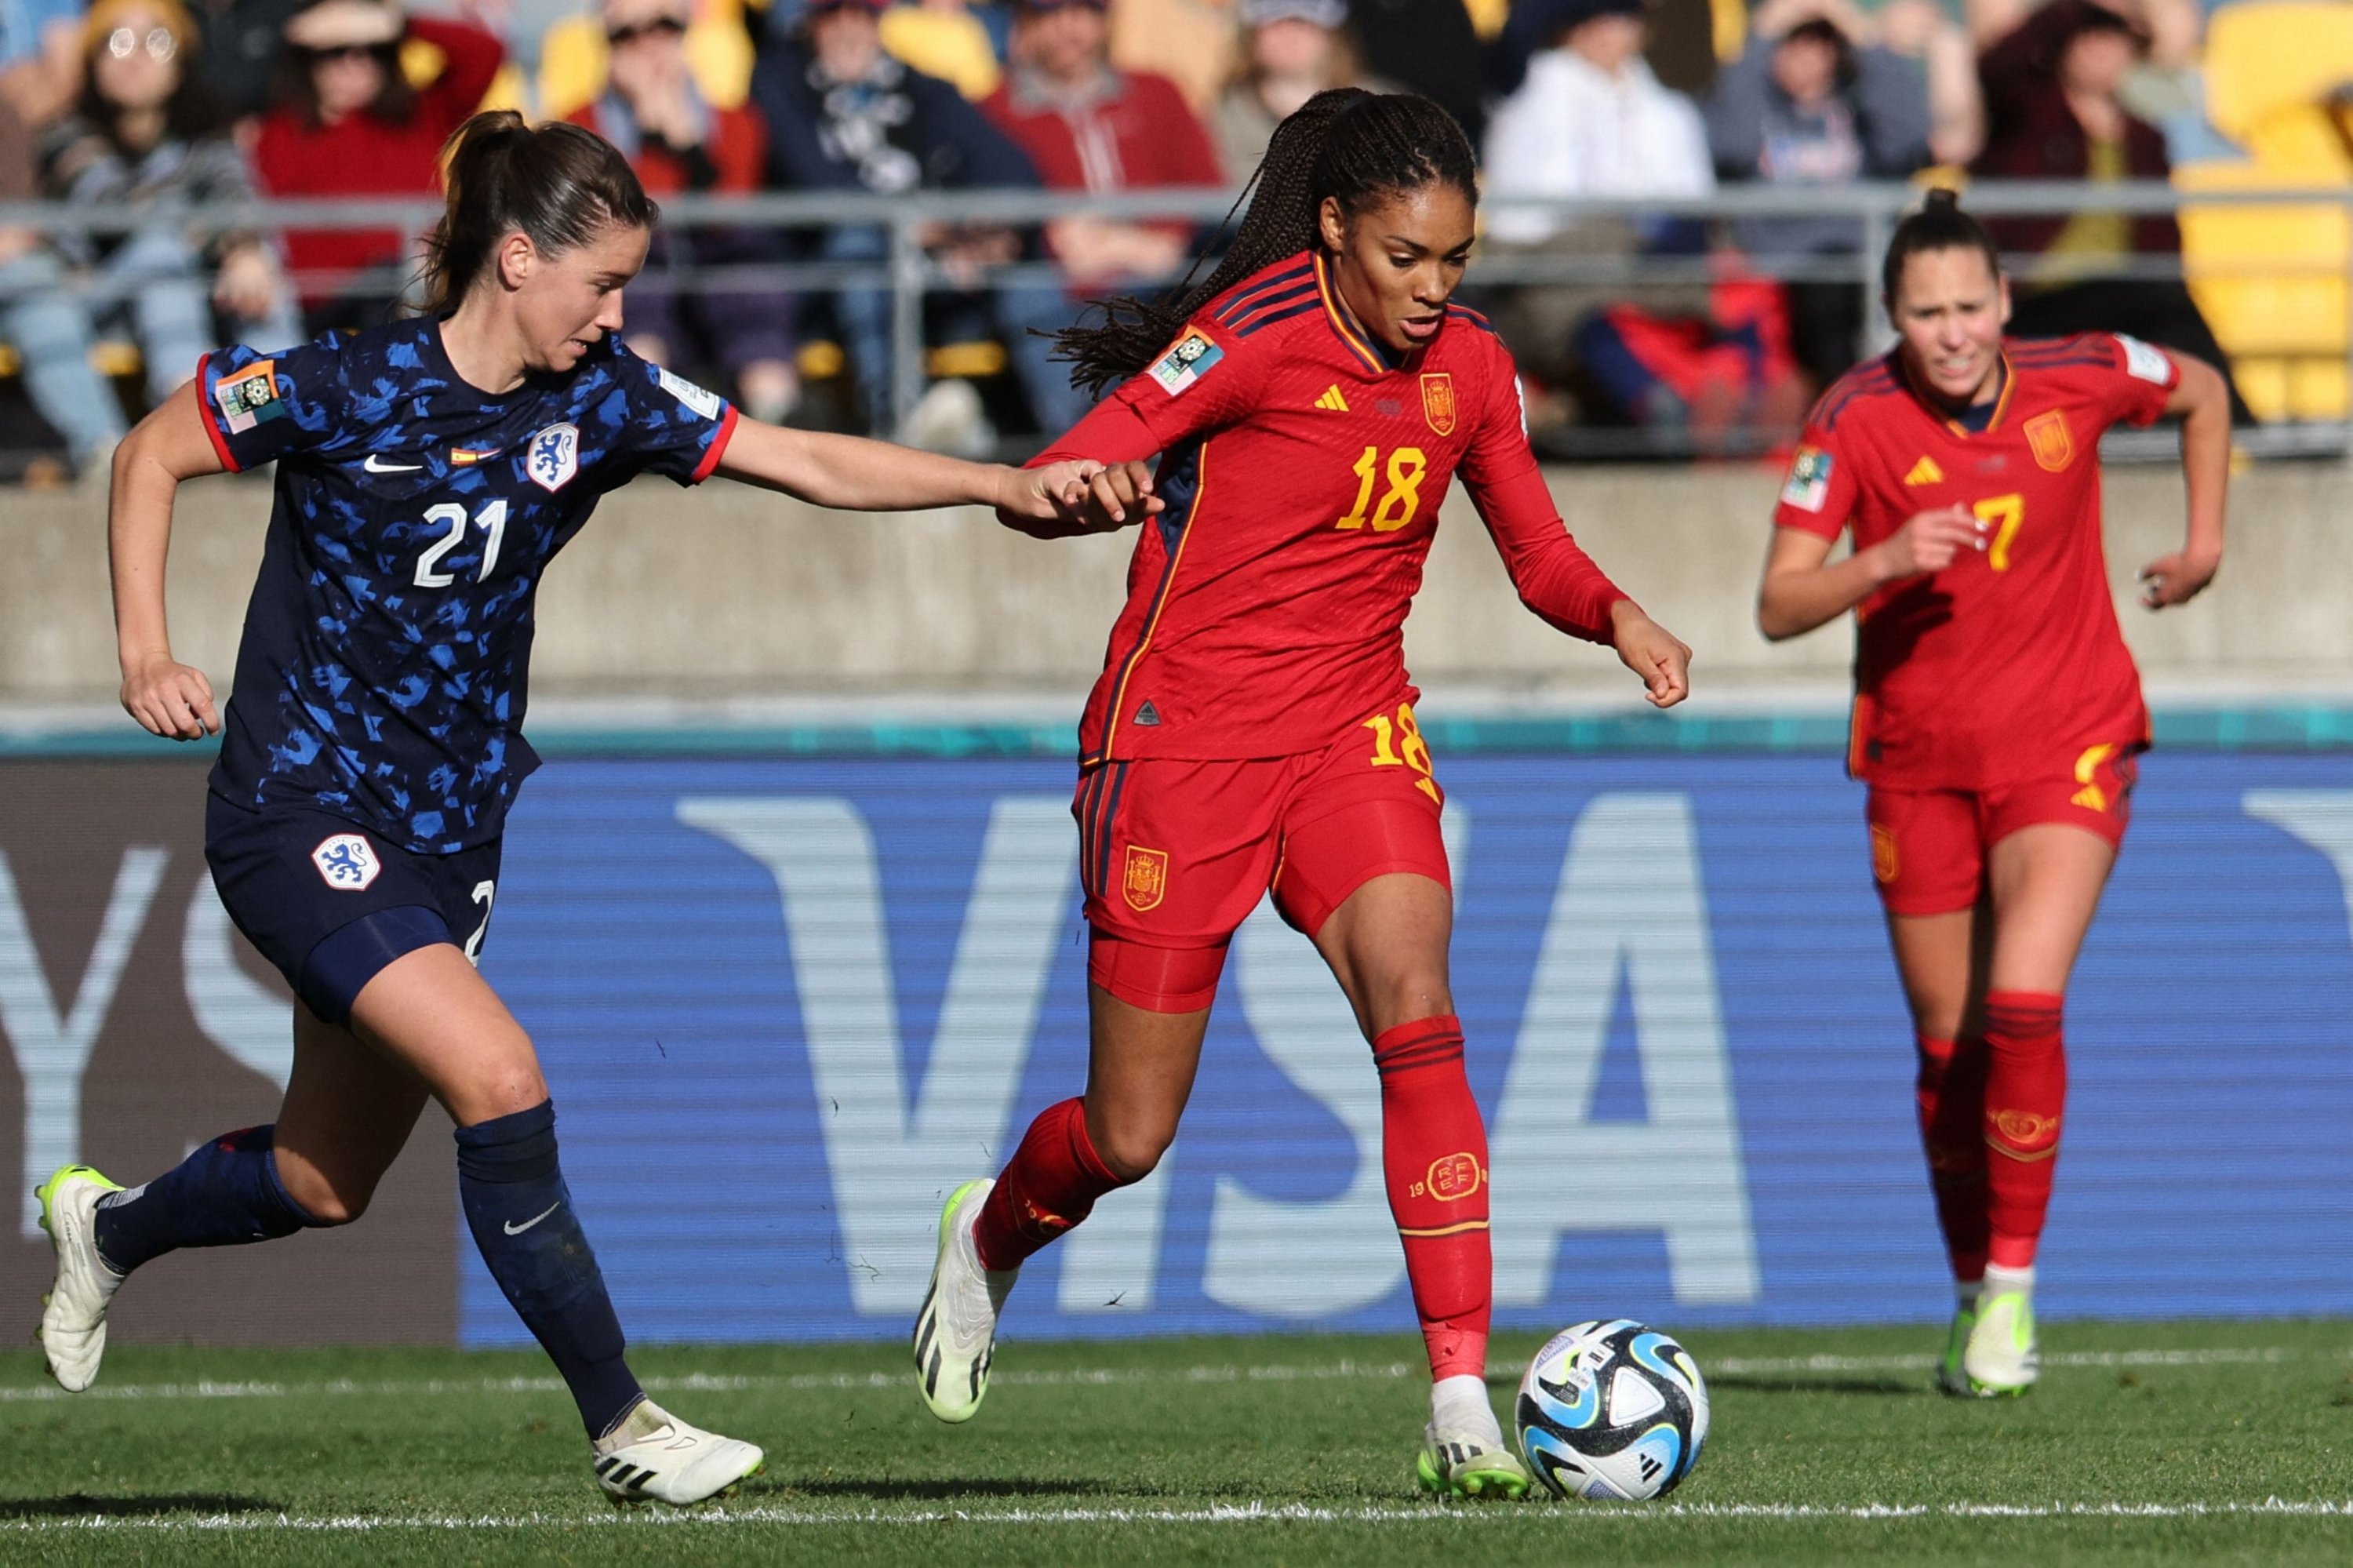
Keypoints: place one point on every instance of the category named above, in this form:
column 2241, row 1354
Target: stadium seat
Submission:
column 2270, row 66
column 2284, row 331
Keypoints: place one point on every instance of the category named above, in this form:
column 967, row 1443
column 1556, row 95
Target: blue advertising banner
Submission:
column 829, row 991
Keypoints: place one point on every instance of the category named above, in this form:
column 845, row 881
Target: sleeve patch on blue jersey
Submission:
column 249, row 397
column 704, row 403
column 1188, row 359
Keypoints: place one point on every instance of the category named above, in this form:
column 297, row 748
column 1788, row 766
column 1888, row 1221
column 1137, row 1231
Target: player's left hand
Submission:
column 1653, row 652
column 2177, row 579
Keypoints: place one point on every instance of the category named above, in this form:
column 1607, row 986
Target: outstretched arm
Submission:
column 854, row 475
column 167, row 698
column 2203, row 402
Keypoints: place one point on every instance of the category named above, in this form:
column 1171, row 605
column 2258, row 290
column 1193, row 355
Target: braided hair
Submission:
column 1345, row 143
column 1940, row 225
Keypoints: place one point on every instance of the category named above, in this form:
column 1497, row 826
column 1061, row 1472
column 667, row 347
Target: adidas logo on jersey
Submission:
column 1924, row 472
column 1333, row 400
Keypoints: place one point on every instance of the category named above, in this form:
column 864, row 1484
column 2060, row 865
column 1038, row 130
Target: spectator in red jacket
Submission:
column 1089, row 127
column 348, row 124
column 2053, row 113
column 652, row 111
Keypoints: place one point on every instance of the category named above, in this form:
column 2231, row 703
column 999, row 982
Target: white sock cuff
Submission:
column 2001, row 1281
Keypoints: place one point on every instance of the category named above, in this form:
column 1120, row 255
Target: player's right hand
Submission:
column 1930, row 541
column 170, row 699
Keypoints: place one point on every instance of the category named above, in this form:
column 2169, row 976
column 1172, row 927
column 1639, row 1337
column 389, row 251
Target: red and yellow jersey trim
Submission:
column 1113, row 714
column 1344, row 323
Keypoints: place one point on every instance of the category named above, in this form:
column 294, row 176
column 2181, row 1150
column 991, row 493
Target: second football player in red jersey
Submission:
column 1253, row 728
column 1996, row 712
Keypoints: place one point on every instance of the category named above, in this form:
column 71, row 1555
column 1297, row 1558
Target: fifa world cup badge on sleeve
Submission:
column 1438, row 402
column 554, row 457
column 1188, row 359
column 1809, row 479
column 704, row 403
column 2145, row 361
column 250, row 397
column 347, row 862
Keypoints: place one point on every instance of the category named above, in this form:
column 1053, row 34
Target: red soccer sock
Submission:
column 2026, row 1089
column 1950, row 1092
column 1434, row 1152
column 1050, row 1184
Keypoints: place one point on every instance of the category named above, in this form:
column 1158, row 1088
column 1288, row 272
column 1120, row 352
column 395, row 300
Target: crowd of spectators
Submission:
column 1671, row 325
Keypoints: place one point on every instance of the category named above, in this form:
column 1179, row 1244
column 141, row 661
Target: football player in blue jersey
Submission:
column 428, row 471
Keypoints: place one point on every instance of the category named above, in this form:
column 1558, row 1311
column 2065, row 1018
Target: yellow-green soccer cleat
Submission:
column 956, row 1332
column 1950, row 1378
column 2000, row 1360
column 1466, row 1465
column 73, row 1314
column 657, row 1458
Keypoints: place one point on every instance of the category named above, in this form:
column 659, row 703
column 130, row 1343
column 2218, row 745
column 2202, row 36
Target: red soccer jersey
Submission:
column 1302, row 465
column 2010, row 660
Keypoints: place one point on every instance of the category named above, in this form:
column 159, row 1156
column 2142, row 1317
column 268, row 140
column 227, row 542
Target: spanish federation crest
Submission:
column 347, row 862
column 2052, row 443
column 1438, row 402
column 1145, row 881
column 552, row 457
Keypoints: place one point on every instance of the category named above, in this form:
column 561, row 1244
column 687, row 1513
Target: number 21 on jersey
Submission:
column 490, row 520
column 1400, row 501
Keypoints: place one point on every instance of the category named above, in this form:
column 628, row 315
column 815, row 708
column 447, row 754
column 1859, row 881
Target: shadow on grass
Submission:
column 943, row 1490
column 1876, row 1387
column 80, row 1506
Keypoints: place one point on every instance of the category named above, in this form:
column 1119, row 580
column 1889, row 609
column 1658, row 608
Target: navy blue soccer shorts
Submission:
column 330, row 905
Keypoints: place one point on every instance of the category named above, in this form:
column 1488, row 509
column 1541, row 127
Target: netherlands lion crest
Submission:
column 347, row 862
column 552, row 457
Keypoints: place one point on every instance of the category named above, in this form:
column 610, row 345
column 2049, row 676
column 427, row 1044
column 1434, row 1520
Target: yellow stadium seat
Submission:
column 2273, row 57
column 2285, row 330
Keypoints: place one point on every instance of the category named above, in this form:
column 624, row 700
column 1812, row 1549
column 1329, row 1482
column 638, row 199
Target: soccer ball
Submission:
column 1613, row 1412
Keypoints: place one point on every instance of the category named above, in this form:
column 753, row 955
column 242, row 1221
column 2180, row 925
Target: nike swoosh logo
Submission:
column 375, row 465
column 513, row 1229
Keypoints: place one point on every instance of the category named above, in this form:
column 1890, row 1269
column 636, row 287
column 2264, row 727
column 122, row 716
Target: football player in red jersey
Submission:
column 1253, row 728
column 1997, row 713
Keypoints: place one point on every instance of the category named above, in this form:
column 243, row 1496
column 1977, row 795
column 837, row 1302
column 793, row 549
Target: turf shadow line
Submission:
column 142, row 1509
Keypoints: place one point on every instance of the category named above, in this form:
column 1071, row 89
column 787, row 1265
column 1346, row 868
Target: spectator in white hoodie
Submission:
column 1589, row 118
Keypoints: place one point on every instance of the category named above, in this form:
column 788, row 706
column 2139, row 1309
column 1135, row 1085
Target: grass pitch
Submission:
column 2206, row 1442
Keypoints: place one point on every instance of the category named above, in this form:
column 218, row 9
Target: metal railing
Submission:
column 911, row 272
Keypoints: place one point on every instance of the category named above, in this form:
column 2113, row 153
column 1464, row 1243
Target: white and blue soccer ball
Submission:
column 1611, row 1411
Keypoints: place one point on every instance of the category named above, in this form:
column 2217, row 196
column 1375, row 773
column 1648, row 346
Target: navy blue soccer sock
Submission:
column 226, row 1193
column 523, row 1220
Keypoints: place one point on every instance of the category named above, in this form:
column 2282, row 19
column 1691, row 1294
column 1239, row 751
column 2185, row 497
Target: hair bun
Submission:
column 1941, row 198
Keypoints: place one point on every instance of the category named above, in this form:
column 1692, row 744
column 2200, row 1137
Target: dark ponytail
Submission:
column 1345, row 143
column 1940, row 225
column 557, row 182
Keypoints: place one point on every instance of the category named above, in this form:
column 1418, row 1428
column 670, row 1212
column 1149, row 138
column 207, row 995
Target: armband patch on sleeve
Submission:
column 1188, row 359
column 704, row 403
column 2145, row 361
column 1809, row 479
column 249, row 397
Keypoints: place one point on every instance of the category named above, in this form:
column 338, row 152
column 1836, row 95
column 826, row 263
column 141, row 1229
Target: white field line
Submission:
column 1334, row 1372
column 1244, row 1513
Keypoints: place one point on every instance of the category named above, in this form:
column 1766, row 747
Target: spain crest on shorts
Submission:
column 1438, row 402
column 1146, row 880
column 2052, row 443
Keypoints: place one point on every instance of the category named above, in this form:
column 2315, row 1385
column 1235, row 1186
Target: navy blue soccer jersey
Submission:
column 381, row 676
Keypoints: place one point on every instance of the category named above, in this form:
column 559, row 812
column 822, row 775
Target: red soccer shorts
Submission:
column 1174, row 856
column 1928, row 846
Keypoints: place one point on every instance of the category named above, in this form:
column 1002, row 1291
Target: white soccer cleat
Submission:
column 657, row 1458
column 73, row 1314
column 956, row 1333
column 1470, row 1463
column 2001, row 1358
